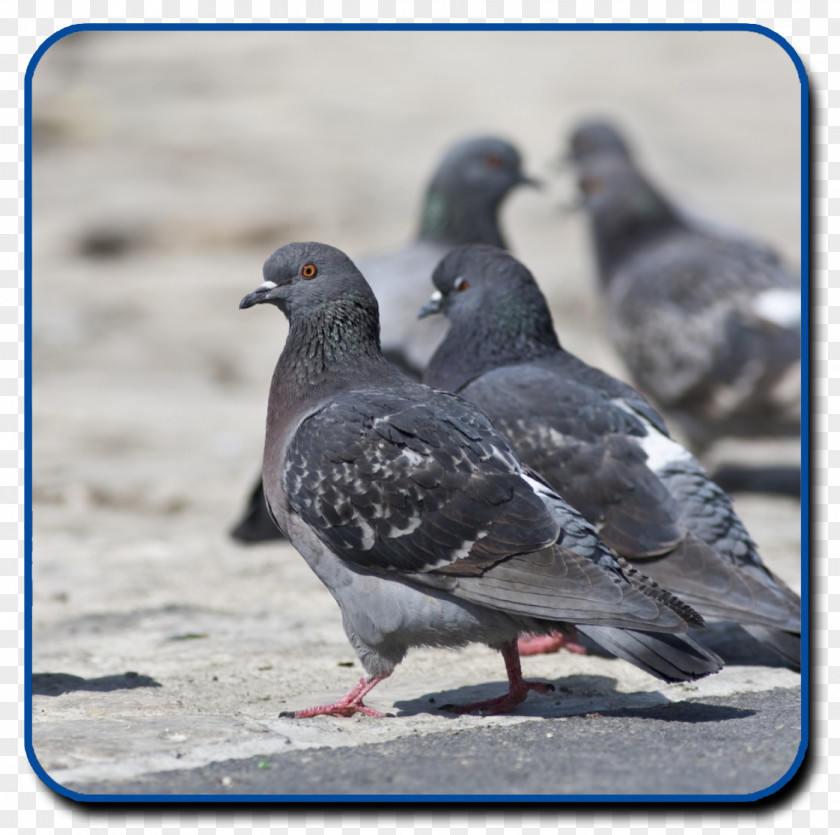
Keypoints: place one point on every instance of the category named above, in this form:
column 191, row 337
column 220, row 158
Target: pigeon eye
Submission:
column 461, row 284
column 493, row 161
column 591, row 185
column 309, row 270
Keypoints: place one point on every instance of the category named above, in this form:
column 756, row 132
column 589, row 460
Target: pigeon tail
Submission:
column 256, row 524
column 788, row 645
column 669, row 657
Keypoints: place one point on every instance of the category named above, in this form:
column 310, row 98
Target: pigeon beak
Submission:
column 434, row 305
column 259, row 296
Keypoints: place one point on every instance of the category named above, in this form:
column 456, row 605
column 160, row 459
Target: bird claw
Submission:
column 348, row 705
column 501, row 704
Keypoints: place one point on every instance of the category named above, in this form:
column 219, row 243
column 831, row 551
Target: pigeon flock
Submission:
column 460, row 477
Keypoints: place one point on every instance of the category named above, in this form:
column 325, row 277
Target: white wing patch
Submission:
column 539, row 488
column 661, row 450
column 782, row 307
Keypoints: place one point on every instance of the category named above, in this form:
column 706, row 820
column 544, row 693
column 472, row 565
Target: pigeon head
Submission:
column 594, row 137
column 611, row 184
column 332, row 312
column 497, row 314
column 487, row 282
column 469, row 185
column 303, row 278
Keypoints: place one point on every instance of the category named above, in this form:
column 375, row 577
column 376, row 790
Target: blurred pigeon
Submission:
column 597, row 137
column 461, row 206
column 709, row 326
column 413, row 511
column 601, row 445
column 593, row 137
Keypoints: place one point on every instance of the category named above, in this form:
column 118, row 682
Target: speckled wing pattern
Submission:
column 646, row 495
column 431, row 492
column 686, row 317
column 587, row 449
column 392, row 484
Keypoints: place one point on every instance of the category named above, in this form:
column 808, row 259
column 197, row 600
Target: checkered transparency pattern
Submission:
column 29, row 806
column 11, row 422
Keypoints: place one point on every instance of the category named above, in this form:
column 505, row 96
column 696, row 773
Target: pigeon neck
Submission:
column 621, row 233
column 327, row 350
column 515, row 332
column 450, row 219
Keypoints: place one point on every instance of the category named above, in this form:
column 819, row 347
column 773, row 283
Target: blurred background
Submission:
column 168, row 165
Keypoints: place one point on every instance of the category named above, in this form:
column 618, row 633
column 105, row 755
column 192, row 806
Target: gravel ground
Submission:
column 167, row 166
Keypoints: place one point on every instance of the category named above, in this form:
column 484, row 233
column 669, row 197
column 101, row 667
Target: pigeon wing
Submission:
column 431, row 493
column 587, row 447
column 393, row 484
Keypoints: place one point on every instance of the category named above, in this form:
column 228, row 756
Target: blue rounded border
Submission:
column 426, row 27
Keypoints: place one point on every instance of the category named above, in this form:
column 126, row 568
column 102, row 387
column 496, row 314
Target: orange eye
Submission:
column 309, row 270
column 591, row 185
column 461, row 284
column 493, row 161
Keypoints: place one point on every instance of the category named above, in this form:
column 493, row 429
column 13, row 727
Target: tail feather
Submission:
column 786, row 644
column 667, row 656
column 256, row 524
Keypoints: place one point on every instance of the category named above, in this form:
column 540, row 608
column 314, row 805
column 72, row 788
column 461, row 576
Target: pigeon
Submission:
column 598, row 137
column 601, row 445
column 414, row 512
column 460, row 206
column 708, row 324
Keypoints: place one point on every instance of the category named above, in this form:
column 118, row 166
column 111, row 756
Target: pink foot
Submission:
column 345, row 706
column 543, row 644
column 517, row 691
column 501, row 704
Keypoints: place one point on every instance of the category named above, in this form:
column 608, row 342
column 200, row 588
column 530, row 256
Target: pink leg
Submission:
column 517, row 690
column 345, row 706
column 542, row 644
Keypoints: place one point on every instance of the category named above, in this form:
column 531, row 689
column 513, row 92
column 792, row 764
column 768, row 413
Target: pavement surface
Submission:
column 716, row 746
column 166, row 167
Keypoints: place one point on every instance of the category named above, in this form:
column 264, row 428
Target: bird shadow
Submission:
column 576, row 696
column 684, row 712
column 56, row 684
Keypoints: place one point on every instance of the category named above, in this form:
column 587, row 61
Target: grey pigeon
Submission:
column 414, row 512
column 709, row 325
column 460, row 206
column 601, row 445
column 593, row 138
